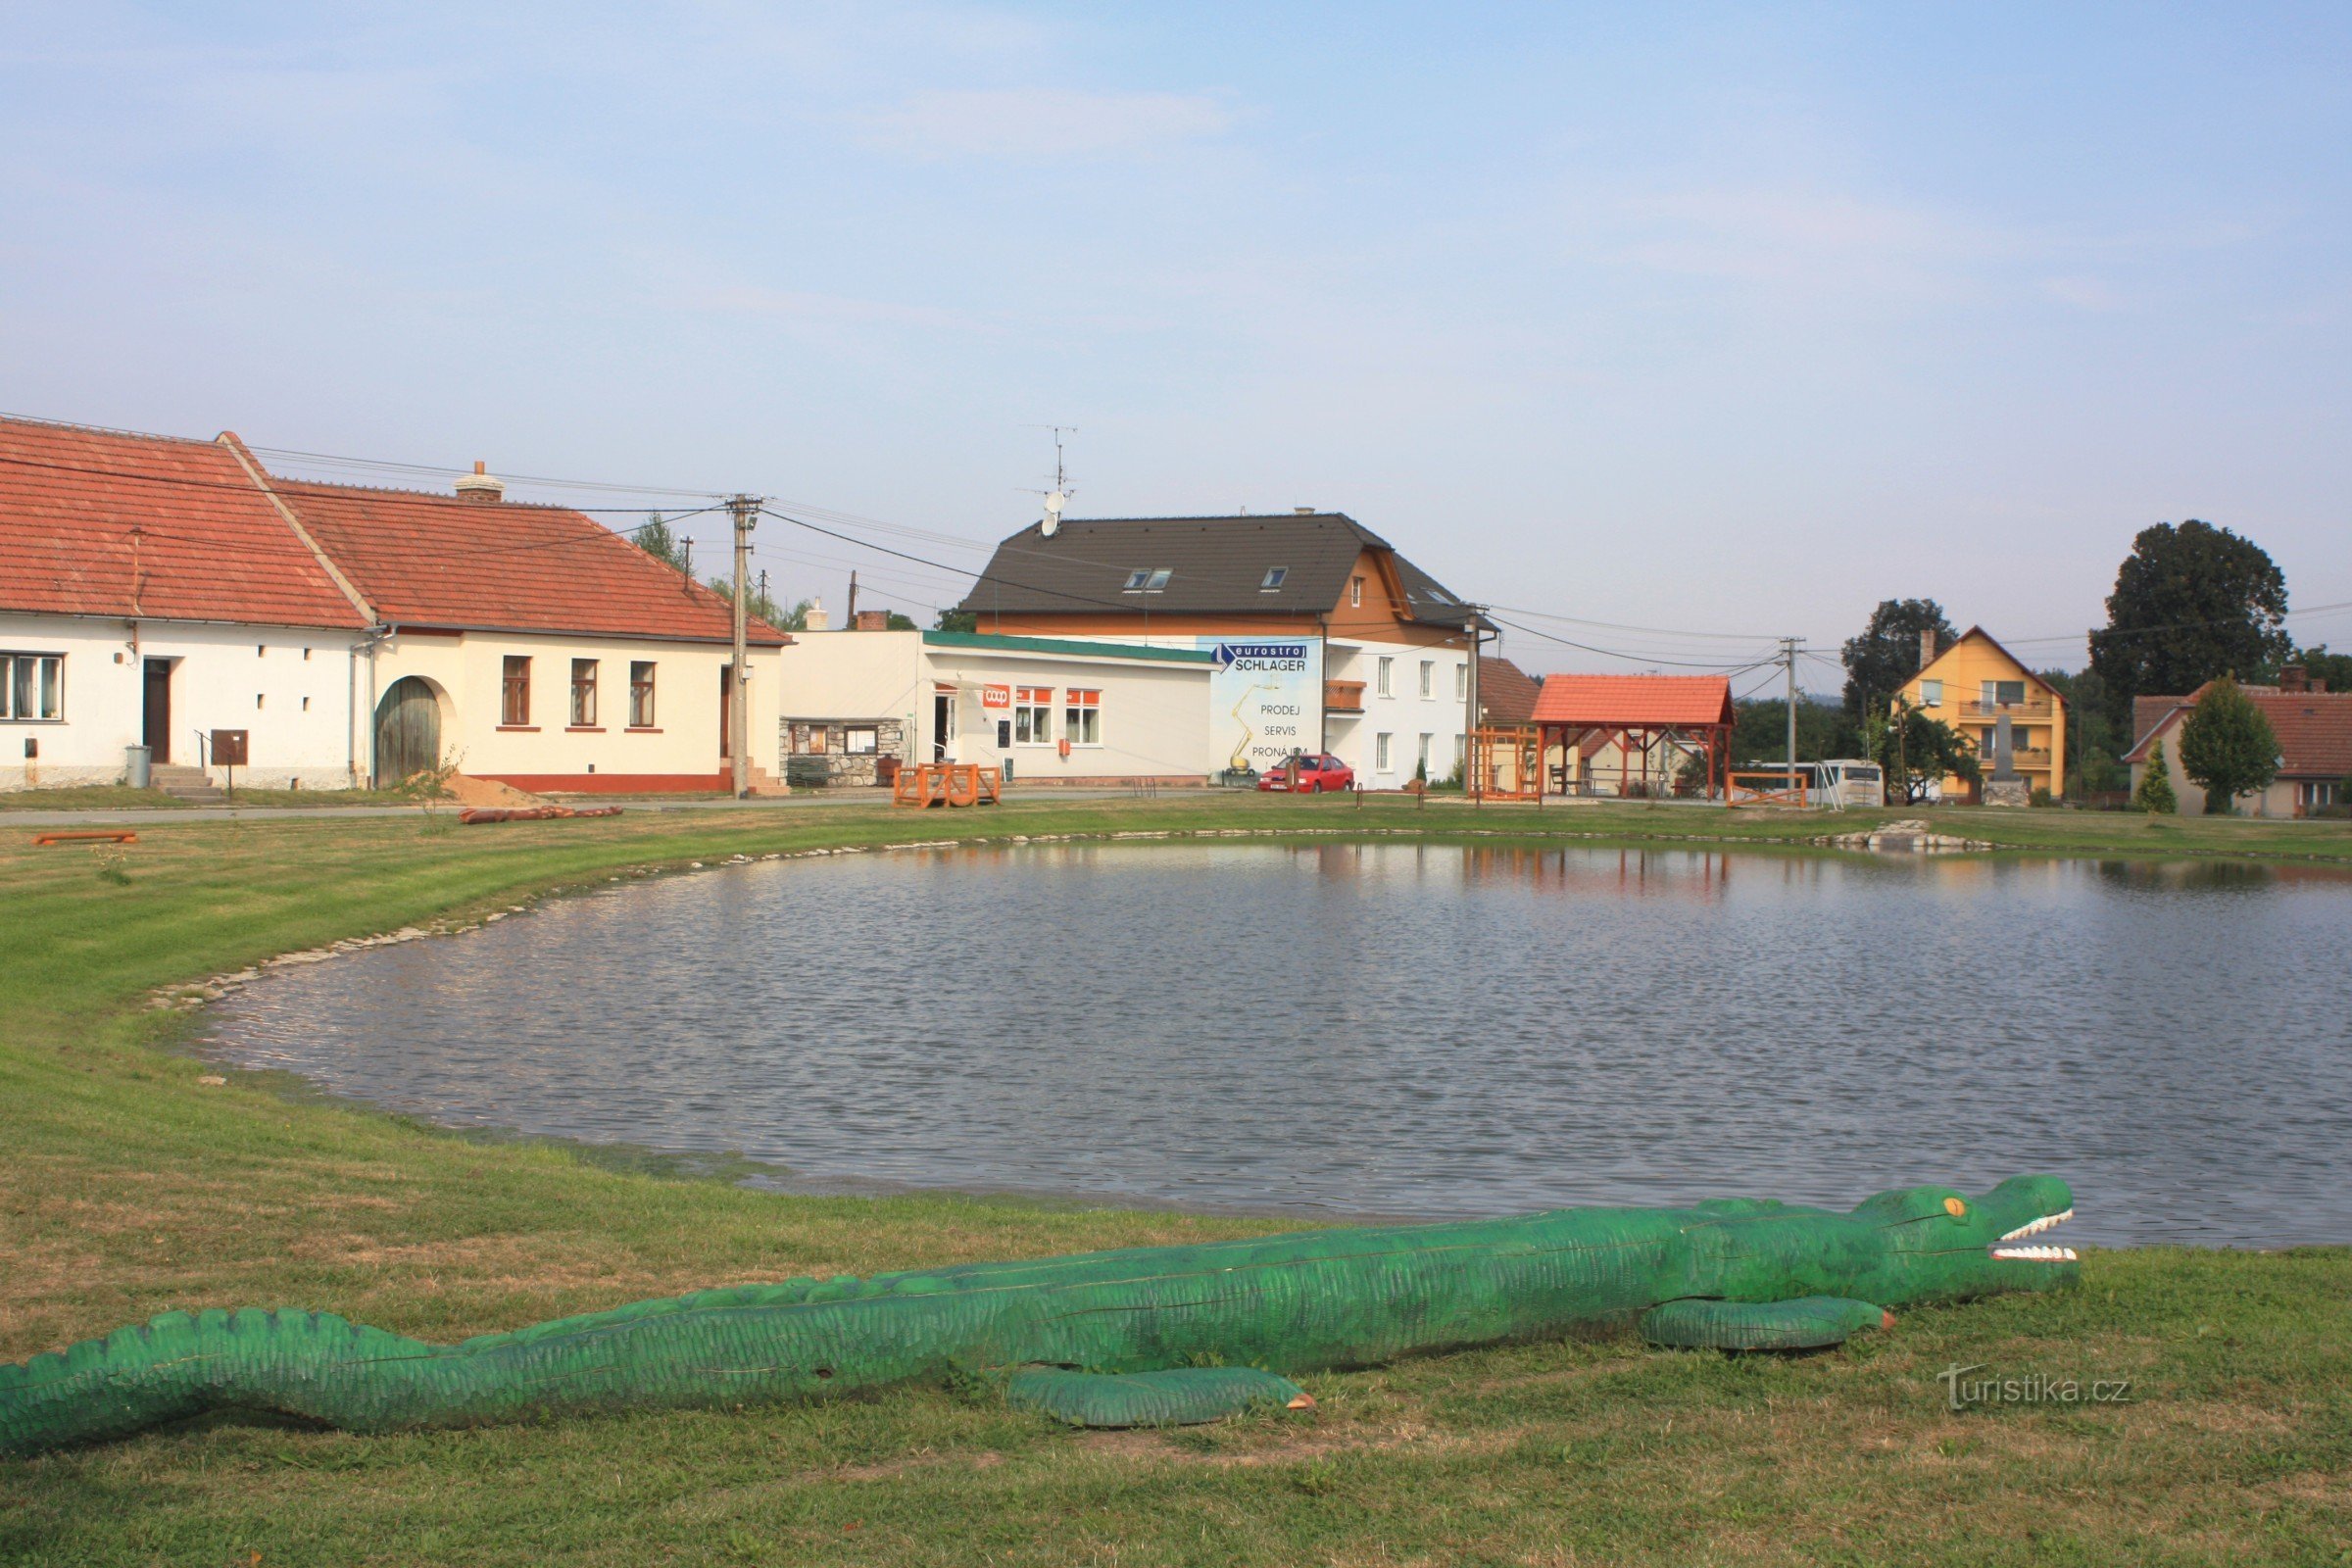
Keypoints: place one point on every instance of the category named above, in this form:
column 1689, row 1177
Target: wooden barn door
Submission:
column 407, row 732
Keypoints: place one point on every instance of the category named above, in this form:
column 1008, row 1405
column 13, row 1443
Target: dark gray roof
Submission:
column 1214, row 565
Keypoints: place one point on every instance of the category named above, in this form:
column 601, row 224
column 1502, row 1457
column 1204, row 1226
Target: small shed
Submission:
column 1636, row 712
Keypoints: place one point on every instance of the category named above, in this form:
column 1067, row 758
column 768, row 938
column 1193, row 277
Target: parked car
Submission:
column 1311, row 774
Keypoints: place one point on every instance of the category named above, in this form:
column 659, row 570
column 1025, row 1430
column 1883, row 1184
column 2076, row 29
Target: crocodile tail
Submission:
column 311, row 1366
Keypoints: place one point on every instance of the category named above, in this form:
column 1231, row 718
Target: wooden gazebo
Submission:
column 1693, row 711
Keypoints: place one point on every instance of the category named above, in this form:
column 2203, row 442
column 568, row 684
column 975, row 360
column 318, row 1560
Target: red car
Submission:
column 1309, row 776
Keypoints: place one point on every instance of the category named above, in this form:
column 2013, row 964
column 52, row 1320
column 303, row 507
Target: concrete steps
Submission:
column 188, row 784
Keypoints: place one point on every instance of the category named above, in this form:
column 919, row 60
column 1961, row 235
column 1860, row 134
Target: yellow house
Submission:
column 1972, row 686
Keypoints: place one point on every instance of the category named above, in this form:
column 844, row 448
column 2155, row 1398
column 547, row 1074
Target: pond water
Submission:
column 1400, row 1029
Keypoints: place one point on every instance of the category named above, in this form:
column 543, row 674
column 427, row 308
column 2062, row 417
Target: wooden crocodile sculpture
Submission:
column 1147, row 1336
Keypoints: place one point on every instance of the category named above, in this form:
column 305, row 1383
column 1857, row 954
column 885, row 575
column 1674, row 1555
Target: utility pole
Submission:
column 739, row 708
column 1472, row 762
column 1789, row 648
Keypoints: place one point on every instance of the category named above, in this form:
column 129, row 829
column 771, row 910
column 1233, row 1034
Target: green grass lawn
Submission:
column 129, row 1186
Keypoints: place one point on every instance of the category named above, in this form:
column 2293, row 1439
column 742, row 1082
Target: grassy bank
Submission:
column 129, row 1186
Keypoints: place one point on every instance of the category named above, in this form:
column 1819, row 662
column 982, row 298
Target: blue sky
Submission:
column 1726, row 319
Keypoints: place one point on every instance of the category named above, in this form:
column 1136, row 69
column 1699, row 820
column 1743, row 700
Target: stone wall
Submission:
column 817, row 751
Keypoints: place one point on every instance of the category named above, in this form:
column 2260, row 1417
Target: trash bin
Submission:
column 137, row 764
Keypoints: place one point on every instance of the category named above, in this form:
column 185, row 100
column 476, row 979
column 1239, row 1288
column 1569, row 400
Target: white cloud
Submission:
column 1043, row 122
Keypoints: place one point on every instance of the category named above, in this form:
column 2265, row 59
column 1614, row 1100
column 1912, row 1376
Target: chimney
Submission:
column 481, row 484
column 871, row 620
column 2295, row 679
column 1305, row 511
column 817, row 619
column 1927, row 645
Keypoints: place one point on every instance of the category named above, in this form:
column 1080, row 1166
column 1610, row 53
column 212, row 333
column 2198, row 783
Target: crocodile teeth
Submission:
column 2035, row 1254
column 2036, row 1227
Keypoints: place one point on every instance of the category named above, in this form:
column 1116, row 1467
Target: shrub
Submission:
column 2155, row 792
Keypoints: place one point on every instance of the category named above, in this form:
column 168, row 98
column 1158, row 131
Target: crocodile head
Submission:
column 1914, row 1244
column 1937, row 1243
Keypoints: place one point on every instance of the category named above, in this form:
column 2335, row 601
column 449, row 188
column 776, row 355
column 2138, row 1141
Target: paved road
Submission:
column 137, row 816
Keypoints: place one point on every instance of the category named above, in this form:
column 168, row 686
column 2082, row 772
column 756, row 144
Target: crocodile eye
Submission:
column 1956, row 1208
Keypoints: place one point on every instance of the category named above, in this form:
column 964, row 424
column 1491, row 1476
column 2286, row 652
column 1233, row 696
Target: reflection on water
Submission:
column 1402, row 1029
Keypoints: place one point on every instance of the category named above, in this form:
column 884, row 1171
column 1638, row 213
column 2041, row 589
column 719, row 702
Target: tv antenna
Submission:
column 1059, row 497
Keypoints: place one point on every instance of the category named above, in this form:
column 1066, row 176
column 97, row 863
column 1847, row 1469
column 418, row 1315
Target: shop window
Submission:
column 1033, row 716
column 640, row 693
column 583, row 691
column 861, row 740
column 1082, row 716
column 515, row 691
column 32, row 686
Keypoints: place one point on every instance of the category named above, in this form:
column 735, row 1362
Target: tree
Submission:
column 795, row 618
column 656, row 541
column 2094, row 743
column 899, row 622
column 1886, row 654
column 1915, row 752
column 958, row 621
column 2227, row 749
column 2322, row 666
column 1760, row 732
column 2154, row 794
column 2190, row 603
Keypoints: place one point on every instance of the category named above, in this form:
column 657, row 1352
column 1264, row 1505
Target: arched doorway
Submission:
column 408, row 731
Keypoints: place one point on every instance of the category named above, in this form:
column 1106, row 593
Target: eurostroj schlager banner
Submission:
column 1265, row 700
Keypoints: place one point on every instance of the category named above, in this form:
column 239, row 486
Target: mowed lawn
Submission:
column 129, row 1187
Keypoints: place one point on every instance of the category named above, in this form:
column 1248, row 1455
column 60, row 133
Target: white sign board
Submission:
column 1265, row 700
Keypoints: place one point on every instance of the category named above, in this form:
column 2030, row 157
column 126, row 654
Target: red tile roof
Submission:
column 427, row 559
column 1619, row 701
column 2314, row 728
column 103, row 522
column 206, row 546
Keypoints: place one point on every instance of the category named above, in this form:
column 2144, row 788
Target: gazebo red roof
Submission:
column 1634, row 702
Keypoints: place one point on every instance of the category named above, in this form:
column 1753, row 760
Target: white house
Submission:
column 158, row 591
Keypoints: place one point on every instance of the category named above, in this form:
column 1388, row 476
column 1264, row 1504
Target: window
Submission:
column 1159, row 579
column 514, row 701
column 1356, row 592
column 1380, row 752
column 2006, row 693
column 860, row 740
column 1136, row 580
column 1033, row 716
column 1386, row 671
column 583, row 693
column 1274, row 576
column 1931, row 694
column 640, row 693
column 1082, row 717
column 1985, row 741
column 1149, row 579
column 32, row 686
column 1422, row 768
column 1429, row 679
column 1461, row 683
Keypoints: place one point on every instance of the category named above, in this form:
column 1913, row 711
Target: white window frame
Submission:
column 1461, row 683
column 1429, row 680
column 1384, row 675
column 1383, row 752
column 48, row 679
column 1082, row 716
column 1427, row 761
column 1033, row 713
column 1355, row 593
column 1931, row 694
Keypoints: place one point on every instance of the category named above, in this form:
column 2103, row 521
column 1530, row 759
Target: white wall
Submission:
column 854, row 674
column 290, row 689
column 1154, row 716
column 1404, row 714
column 680, row 749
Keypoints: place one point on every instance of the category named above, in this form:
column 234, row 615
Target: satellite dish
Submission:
column 1055, row 500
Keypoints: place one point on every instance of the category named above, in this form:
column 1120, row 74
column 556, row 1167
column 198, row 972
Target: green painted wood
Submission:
column 1287, row 1305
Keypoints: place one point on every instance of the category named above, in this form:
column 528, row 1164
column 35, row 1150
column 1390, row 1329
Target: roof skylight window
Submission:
column 1136, row 580
column 1274, row 576
column 1159, row 579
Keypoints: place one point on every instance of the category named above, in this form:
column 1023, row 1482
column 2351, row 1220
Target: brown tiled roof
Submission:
column 104, row 522
column 427, row 559
column 1505, row 693
column 1621, row 701
column 2314, row 728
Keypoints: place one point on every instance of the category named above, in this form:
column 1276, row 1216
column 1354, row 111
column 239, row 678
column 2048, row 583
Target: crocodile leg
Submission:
column 1807, row 1323
column 1182, row 1397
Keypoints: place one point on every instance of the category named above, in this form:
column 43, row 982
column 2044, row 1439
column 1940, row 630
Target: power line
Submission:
column 390, row 495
